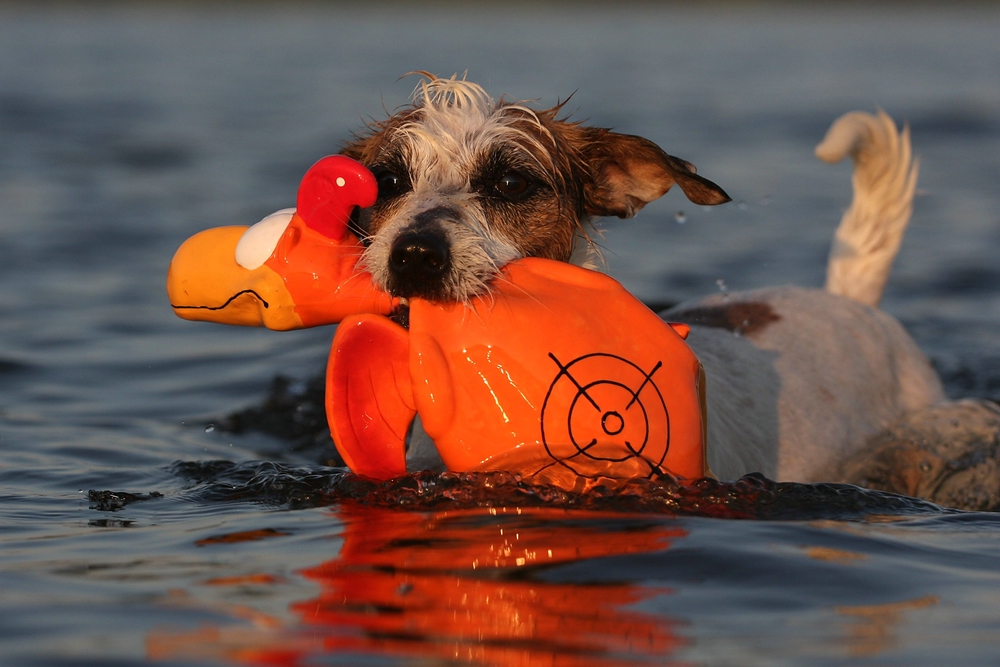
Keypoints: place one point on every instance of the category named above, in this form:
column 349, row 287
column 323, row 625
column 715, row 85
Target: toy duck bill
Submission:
column 557, row 373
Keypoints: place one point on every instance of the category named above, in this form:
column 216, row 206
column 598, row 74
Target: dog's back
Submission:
column 798, row 379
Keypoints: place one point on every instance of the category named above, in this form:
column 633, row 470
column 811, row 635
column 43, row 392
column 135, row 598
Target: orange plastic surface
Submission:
column 311, row 277
column 558, row 373
column 371, row 396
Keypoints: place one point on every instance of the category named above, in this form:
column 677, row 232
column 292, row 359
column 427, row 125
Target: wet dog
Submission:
column 798, row 379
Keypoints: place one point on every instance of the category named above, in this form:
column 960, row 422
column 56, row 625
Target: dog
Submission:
column 798, row 379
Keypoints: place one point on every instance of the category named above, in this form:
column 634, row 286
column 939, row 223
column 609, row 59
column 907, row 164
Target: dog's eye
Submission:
column 512, row 184
column 390, row 184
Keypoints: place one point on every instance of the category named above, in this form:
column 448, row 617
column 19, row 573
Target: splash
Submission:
column 750, row 497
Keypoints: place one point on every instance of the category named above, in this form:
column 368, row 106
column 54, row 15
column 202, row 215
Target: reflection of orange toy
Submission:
column 449, row 577
column 289, row 271
column 461, row 586
column 557, row 373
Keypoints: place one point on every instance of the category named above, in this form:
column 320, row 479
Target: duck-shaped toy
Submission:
column 557, row 373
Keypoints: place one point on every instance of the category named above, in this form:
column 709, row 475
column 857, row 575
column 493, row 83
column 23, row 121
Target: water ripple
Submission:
column 751, row 497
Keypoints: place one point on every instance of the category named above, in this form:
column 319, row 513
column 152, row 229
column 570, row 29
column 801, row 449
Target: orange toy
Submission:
column 289, row 271
column 557, row 373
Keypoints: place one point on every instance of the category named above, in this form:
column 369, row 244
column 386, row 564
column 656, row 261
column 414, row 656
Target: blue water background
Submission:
column 126, row 128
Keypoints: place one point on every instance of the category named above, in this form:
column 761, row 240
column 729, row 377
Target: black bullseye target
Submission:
column 604, row 408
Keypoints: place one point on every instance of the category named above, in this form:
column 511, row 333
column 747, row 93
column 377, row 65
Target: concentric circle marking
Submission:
column 604, row 408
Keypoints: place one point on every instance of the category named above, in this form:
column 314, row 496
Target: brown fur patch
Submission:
column 744, row 318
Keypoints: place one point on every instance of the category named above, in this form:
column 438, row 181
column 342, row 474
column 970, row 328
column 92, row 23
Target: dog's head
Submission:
column 467, row 184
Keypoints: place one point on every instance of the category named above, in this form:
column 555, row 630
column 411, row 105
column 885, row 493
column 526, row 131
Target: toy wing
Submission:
column 369, row 396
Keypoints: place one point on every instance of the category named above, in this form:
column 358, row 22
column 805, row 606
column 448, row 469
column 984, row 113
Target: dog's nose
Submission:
column 418, row 260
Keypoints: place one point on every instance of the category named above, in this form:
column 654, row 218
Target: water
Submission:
column 123, row 130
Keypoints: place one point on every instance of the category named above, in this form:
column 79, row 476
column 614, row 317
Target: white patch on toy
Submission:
column 258, row 242
column 341, row 182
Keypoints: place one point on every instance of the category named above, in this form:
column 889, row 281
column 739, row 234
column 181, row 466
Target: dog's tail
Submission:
column 885, row 178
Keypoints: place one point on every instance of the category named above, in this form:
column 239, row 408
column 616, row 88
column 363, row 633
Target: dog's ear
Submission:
column 629, row 172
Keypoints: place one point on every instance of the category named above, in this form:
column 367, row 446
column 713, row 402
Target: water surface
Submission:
column 123, row 130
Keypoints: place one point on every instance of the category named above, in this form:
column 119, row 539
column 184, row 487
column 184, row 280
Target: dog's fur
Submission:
column 797, row 379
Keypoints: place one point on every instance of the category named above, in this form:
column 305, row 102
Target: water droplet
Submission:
column 925, row 466
column 404, row 589
column 721, row 284
column 742, row 205
column 680, row 218
column 209, row 428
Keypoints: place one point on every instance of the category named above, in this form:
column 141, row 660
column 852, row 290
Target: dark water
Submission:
column 123, row 130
